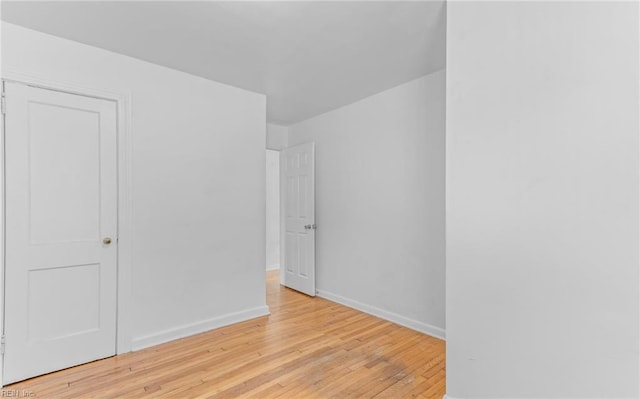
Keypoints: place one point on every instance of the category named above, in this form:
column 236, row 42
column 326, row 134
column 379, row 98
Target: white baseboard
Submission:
column 273, row 267
column 198, row 327
column 383, row 314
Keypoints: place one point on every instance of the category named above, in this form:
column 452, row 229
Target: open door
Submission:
column 297, row 184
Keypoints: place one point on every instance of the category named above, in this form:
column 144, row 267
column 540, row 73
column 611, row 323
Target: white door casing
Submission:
column 297, row 165
column 61, row 200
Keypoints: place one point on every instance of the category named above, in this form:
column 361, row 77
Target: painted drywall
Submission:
column 380, row 202
column 542, row 199
column 198, row 224
column 308, row 56
column 276, row 136
column 273, row 209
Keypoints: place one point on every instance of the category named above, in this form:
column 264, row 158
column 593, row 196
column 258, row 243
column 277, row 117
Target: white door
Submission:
column 61, row 224
column 299, row 229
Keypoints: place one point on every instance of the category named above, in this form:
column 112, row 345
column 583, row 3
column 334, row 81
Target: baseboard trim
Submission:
column 198, row 327
column 424, row 328
column 273, row 267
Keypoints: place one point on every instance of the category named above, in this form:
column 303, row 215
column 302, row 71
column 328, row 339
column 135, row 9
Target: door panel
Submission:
column 45, row 321
column 297, row 166
column 61, row 201
column 63, row 191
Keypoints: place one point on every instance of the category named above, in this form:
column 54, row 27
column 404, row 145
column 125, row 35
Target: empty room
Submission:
column 320, row 199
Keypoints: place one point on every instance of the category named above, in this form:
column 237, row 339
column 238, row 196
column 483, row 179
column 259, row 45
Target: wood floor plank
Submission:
column 307, row 348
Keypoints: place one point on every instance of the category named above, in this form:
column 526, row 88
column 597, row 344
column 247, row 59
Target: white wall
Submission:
column 273, row 209
column 198, row 182
column 276, row 136
column 380, row 202
column 542, row 199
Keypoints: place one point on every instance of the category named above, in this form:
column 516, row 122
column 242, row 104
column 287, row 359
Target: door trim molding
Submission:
column 125, row 200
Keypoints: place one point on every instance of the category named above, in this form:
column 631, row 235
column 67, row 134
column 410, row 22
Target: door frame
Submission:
column 125, row 205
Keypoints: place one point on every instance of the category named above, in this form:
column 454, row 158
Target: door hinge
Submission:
column 2, row 342
column 4, row 104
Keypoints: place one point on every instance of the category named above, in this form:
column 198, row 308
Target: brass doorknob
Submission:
column 106, row 240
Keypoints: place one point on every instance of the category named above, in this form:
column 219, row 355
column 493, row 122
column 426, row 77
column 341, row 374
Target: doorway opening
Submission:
column 272, row 176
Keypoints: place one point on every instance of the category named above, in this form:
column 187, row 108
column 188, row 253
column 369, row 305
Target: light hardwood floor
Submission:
column 307, row 348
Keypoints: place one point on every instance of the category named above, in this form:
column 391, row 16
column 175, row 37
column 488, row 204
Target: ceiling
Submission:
column 308, row 57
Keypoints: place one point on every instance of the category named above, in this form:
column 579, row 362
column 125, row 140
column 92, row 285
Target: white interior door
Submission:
column 299, row 230
column 61, row 224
